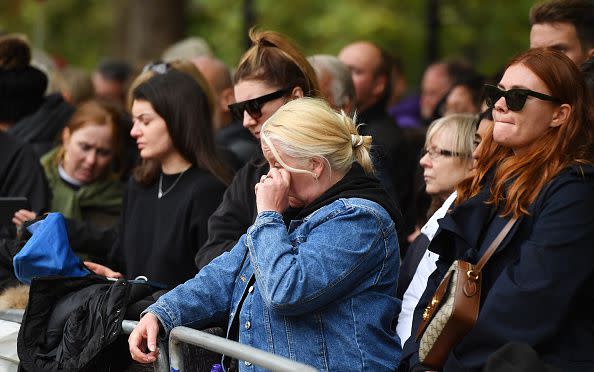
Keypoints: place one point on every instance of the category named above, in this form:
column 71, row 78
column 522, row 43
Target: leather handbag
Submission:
column 454, row 308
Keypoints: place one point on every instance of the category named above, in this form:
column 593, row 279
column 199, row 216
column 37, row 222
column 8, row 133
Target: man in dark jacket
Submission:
column 370, row 68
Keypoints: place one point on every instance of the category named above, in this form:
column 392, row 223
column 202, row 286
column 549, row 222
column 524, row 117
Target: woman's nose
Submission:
column 425, row 161
column 476, row 152
column 91, row 157
column 134, row 132
column 500, row 104
column 248, row 120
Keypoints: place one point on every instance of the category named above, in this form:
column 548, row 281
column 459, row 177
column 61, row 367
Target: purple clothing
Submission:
column 407, row 112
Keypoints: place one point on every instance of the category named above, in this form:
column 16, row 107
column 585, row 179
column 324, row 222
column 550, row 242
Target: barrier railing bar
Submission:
column 162, row 363
column 229, row 348
column 8, row 359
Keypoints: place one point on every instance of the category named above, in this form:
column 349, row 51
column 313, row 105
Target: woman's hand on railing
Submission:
column 102, row 270
column 143, row 339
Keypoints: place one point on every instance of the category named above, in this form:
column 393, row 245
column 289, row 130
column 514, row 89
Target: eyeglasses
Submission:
column 254, row 106
column 514, row 98
column 158, row 67
column 435, row 152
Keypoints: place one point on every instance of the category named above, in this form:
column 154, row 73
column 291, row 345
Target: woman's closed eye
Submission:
column 85, row 146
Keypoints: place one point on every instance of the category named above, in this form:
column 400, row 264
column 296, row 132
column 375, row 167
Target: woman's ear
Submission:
column 65, row 136
column 317, row 165
column 561, row 115
column 297, row 93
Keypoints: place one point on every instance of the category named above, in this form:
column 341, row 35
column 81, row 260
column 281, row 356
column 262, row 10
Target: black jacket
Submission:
column 42, row 128
column 73, row 324
column 536, row 288
column 392, row 156
column 21, row 174
column 70, row 323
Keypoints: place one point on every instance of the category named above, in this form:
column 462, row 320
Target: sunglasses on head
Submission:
column 158, row 67
column 514, row 98
column 254, row 106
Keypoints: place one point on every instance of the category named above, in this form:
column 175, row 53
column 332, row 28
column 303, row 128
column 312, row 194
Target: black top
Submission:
column 239, row 141
column 393, row 158
column 159, row 238
column 356, row 184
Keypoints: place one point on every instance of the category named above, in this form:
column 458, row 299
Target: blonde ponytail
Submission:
column 308, row 127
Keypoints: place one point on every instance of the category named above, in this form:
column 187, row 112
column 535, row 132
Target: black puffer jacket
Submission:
column 71, row 323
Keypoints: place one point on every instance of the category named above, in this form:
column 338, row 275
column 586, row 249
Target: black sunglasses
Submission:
column 514, row 98
column 254, row 106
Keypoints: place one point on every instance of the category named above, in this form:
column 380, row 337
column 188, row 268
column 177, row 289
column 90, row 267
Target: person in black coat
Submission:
column 393, row 157
column 537, row 286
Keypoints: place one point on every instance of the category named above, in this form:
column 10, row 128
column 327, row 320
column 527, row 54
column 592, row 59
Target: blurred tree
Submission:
column 486, row 33
column 144, row 28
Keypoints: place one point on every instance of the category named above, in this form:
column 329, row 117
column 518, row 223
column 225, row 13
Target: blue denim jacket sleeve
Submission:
column 344, row 247
column 204, row 298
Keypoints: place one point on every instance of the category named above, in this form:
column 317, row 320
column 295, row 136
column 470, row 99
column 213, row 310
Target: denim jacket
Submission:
column 324, row 290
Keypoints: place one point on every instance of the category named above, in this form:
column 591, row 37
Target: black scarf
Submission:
column 356, row 184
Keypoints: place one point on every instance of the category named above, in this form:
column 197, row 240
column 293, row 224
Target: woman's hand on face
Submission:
column 272, row 192
column 21, row 216
column 102, row 270
column 143, row 339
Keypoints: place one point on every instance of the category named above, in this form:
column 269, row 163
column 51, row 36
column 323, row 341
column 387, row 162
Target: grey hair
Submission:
column 342, row 87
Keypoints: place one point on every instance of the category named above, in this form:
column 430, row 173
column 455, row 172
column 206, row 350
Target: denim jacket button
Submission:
column 251, row 289
column 247, row 363
column 248, row 325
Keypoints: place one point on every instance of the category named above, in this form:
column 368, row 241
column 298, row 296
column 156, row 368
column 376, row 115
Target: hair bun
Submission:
column 14, row 53
column 356, row 140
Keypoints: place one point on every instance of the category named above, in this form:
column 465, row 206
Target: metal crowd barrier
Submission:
column 249, row 355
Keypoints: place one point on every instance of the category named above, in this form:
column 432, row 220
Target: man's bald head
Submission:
column 218, row 76
column 215, row 72
column 370, row 70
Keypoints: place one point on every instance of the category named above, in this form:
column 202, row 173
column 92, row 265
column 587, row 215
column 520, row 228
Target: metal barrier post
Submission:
column 248, row 354
column 162, row 363
column 9, row 360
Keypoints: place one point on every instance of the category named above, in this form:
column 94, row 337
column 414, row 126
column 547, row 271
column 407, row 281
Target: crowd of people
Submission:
column 309, row 205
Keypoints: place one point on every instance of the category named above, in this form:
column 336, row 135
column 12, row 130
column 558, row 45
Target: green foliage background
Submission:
column 488, row 33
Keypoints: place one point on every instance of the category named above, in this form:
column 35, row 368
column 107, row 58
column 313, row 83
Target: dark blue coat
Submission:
column 539, row 284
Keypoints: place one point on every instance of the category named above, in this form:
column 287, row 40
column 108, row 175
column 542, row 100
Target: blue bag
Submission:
column 47, row 252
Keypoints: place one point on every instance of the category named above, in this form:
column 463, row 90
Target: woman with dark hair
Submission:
column 271, row 73
column 178, row 185
column 537, row 287
column 465, row 95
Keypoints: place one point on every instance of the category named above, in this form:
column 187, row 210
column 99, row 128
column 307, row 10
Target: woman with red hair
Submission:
column 537, row 286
